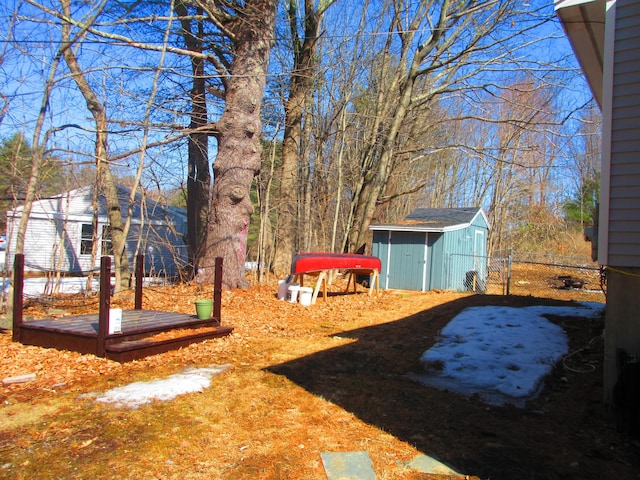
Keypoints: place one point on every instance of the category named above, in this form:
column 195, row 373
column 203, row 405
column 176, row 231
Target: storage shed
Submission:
column 59, row 234
column 434, row 248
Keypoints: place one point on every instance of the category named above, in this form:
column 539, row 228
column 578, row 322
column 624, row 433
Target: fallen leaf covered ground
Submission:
column 303, row 380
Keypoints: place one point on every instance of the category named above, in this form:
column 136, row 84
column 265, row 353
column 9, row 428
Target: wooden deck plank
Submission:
column 79, row 333
column 132, row 321
column 59, row 340
column 132, row 350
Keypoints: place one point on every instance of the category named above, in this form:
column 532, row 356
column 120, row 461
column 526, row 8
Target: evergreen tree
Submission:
column 582, row 208
column 15, row 167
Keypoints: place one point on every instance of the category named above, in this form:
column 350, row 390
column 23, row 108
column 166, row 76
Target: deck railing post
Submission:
column 509, row 259
column 18, row 290
column 139, row 279
column 217, row 290
column 105, row 304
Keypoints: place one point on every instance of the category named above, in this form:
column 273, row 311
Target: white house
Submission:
column 59, row 234
column 605, row 35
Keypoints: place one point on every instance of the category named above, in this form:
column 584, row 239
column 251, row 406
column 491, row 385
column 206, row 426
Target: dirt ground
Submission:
column 305, row 380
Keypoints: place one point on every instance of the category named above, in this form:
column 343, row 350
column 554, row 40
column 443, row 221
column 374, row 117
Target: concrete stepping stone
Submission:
column 348, row 466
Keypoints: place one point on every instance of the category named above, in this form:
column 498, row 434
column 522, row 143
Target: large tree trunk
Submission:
column 288, row 198
column 239, row 131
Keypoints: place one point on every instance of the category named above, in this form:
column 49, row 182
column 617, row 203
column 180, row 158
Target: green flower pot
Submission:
column 204, row 309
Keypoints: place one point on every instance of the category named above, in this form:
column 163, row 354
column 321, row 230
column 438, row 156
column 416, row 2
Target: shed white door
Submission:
column 407, row 264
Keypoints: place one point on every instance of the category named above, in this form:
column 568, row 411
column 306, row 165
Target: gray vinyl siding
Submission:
column 164, row 253
column 624, row 204
column 41, row 245
column 53, row 236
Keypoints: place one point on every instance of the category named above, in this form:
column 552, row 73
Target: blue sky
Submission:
column 121, row 76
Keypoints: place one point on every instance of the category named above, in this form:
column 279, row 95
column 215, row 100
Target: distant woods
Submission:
column 292, row 127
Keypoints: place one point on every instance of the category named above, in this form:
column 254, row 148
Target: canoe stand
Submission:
column 325, row 276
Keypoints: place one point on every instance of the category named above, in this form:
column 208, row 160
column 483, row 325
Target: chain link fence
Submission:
column 546, row 276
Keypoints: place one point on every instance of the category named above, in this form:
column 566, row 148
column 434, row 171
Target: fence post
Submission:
column 18, row 299
column 105, row 304
column 139, row 278
column 509, row 258
column 217, row 290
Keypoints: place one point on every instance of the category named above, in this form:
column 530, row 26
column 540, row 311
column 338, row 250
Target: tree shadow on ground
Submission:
column 560, row 435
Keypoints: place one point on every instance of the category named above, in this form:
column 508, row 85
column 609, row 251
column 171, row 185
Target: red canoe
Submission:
column 317, row 262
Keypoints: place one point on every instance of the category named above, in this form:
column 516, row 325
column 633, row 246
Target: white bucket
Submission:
column 282, row 289
column 306, row 293
column 115, row 321
column 293, row 290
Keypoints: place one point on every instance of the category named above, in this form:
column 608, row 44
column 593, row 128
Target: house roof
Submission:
column 435, row 220
column 584, row 24
column 75, row 205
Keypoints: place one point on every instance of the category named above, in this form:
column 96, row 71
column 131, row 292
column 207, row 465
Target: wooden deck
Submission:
column 80, row 333
column 142, row 332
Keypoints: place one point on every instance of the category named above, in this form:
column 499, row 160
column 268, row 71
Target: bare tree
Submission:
column 382, row 113
column 98, row 97
column 106, row 181
column 264, row 184
column 198, row 172
column 516, row 161
column 38, row 148
column 304, row 19
column 437, row 42
column 125, row 48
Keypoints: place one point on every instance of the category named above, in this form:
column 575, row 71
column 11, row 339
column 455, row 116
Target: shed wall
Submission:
column 380, row 249
column 460, row 244
column 436, row 267
column 407, row 261
column 445, row 260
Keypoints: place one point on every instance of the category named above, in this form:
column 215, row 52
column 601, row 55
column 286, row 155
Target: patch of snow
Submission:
column 36, row 287
column 502, row 354
column 140, row 393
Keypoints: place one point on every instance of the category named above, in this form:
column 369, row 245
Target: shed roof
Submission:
column 435, row 220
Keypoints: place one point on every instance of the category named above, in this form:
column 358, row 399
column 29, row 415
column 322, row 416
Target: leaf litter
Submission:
column 257, row 423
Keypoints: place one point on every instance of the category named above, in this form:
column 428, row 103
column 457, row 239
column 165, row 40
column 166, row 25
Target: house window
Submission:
column 86, row 240
column 107, row 247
